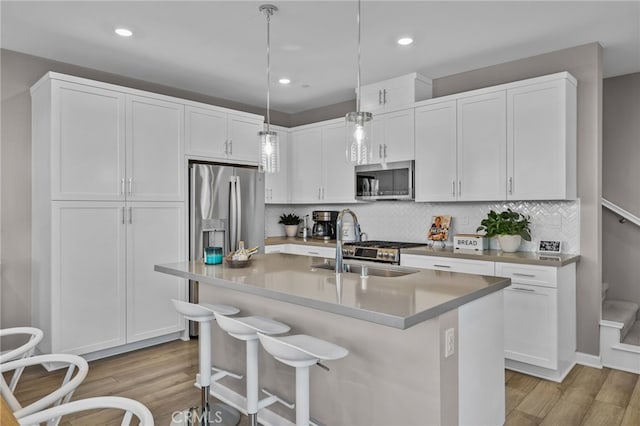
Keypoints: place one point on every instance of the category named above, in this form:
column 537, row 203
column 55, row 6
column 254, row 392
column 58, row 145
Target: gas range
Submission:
column 378, row 251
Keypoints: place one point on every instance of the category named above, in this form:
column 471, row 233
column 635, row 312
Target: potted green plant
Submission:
column 510, row 227
column 290, row 222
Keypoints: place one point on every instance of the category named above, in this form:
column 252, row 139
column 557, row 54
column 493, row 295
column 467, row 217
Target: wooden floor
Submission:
column 162, row 378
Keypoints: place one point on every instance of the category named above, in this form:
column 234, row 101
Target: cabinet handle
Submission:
column 323, row 192
column 517, row 274
column 130, row 185
column 319, row 193
column 442, row 266
column 230, row 146
column 123, row 214
column 385, row 150
column 122, row 186
column 226, row 147
column 510, row 186
column 380, row 150
column 384, row 96
column 453, row 188
column 379, row 97
column 313, row 252
column 130, row 215
column 459, row 188
column 523, row 289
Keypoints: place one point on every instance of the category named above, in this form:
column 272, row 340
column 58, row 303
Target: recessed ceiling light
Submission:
column 405, row 41
column 123, row 32
column 284, row 80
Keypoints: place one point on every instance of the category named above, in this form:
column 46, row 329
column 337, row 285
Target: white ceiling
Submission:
column 219, row 47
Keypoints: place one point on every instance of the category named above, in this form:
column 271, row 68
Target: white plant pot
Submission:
column 509, row 243
column 291, row 230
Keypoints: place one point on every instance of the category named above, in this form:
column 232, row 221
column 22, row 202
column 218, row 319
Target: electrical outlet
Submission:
column 449, row 342
column 464, row 220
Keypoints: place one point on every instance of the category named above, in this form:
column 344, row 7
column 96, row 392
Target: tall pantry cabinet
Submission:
column 107, row 204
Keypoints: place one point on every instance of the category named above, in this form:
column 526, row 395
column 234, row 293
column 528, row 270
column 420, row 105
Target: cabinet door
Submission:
column 88, row 143
column 393, row 136
column 155, row 234
column 530, row 325
column 435, row 150
column 371, row 97
column 206, row 132
column 338, row 174
column 88, row 295
column 482, row 145
column 536, row 142
column 244, row 143
column 467, row 266
column 155, row 153
column 277, row 184
column 306, row 165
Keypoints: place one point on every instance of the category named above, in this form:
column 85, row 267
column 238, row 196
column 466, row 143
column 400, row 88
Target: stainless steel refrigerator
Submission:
column 226, row 205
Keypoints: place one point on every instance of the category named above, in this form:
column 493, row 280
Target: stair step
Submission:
column 633, row 336
column 620, row 311
column 605, row 288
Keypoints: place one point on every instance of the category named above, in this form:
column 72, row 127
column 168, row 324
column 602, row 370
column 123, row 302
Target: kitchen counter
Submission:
column 398, row 302
column 521, row 257
column 424, row 348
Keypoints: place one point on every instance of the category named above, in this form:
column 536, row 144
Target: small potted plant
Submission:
column 510, row 227
column 290, row 222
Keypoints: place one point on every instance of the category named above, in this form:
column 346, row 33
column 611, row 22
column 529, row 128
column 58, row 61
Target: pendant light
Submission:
column 269, row 143
column 358, row 147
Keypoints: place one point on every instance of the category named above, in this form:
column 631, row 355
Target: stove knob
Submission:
column 385, row 254
column 380, row 254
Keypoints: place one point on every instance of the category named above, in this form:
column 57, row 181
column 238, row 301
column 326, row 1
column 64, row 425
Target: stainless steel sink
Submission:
column 367, row 270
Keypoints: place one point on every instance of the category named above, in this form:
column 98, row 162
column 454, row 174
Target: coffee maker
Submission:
column 324, row 226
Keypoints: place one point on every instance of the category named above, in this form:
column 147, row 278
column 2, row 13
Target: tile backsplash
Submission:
column 409, row 221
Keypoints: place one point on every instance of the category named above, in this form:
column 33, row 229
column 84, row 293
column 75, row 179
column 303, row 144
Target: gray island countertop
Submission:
column 398, row 302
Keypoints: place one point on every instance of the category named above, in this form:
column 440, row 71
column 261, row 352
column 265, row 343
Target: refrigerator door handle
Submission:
column 233, row 214
column 238, row 210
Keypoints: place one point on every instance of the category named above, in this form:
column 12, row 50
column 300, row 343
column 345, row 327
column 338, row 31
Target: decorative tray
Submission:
column 237, row 263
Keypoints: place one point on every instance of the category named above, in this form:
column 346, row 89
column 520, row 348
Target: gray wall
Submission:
column 585, row 64
column 620, row 178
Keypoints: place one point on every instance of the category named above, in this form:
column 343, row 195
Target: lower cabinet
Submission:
column 94, row 287
column 301, row 249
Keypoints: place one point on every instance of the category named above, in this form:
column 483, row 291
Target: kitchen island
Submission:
column 399, row 370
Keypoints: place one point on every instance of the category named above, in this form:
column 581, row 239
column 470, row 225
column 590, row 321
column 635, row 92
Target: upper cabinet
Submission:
column 396, row 92
column 318, row 163
column 218, row 133
column 110, row 146
column 541, row 141
column 393, row 136
column 511, row 142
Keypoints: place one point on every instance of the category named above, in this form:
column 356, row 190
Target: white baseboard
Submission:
column 588, row 360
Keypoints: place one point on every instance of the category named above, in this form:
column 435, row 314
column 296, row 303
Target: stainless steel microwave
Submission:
column 390, row 181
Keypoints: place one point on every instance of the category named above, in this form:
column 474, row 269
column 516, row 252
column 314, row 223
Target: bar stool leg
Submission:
column 302, row 396
column 204, row 348
column 252, row 381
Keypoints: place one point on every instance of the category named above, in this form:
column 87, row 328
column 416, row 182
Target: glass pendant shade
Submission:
column 358, row 148
column 270, row 149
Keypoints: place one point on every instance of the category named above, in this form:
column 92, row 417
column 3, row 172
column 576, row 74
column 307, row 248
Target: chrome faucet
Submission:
column 356, row 227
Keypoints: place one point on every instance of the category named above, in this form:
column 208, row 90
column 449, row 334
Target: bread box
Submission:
column 470, row 242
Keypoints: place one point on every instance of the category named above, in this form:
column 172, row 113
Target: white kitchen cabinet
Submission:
column 393, row 136
column 319, row 170
column 540, row 319
column 395, row 92
column 155, row 234
column 302, row 249
column 436, row 152
column 449, row 264
column 220, row 134
column 482, row 146
column 82, row 295
column 87, row 133
column 94, row 243
column 155, row 170
column 276, row 185
column 541, row 140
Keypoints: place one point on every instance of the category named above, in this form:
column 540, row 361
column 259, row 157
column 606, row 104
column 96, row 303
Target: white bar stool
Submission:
column 301, row 351
column 247, row 329
column 203, row 314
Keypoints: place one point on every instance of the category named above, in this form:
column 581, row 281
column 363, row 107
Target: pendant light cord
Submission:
column 268, row 12
column 358, row 94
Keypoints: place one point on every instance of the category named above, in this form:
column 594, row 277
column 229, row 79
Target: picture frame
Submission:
column 549, row 246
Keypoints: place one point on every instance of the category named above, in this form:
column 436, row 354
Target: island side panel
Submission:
column 390, row 377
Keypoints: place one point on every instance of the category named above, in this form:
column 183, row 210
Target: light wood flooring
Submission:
column 162, row 378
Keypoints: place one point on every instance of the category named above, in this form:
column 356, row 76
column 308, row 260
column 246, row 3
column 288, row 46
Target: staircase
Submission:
column 620, row 334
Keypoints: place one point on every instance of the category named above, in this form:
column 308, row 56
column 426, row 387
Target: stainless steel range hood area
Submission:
column 385, row 181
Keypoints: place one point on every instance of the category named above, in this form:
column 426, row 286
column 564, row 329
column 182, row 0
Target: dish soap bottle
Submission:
column 241, row 253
